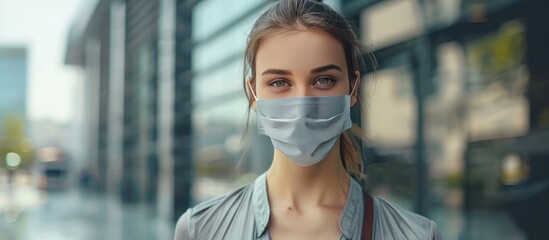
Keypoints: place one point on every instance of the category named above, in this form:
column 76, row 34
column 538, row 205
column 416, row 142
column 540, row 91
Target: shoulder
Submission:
column 400, row 223
column 210, row 214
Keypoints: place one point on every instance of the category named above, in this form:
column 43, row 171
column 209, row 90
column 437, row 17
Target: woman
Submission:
column 304, row 65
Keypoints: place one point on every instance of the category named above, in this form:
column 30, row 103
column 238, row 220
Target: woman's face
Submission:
column 301, row 63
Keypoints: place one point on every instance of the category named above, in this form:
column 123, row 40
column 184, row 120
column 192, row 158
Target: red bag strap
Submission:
column 368, row 217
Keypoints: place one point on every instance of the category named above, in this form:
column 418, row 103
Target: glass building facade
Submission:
column 135, row 127
column 13, row 85
column 219, row 104
column 450, row 109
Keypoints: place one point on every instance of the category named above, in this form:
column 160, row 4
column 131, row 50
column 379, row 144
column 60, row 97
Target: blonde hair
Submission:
column 307, row 15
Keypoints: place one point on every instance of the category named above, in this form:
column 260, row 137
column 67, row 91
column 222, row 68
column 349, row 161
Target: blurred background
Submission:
column 118, row 115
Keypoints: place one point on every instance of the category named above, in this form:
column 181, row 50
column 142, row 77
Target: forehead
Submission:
column 299, row 50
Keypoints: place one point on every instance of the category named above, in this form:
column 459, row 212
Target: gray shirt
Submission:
column 244, row 214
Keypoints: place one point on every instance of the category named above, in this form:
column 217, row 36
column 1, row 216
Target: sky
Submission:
column 42, row 26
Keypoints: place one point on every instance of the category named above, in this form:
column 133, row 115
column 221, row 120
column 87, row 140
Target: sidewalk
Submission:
column 78, row 215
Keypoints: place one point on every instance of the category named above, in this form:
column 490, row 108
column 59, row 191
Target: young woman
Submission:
column 303, row 66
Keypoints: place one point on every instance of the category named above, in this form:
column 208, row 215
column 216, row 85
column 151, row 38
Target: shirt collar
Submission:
column 260, row 203
column 350, row 215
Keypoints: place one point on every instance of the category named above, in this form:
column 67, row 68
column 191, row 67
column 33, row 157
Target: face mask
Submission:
column 304, row 128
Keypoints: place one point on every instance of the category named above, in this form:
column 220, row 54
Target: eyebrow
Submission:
column 326, row 68
column 315, row 70
column 276, row 72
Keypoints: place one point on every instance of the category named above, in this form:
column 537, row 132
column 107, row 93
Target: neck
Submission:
column 323, row 184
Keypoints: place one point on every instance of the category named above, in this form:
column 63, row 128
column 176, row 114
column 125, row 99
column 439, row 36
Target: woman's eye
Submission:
column 279, row 84
column 324, row 82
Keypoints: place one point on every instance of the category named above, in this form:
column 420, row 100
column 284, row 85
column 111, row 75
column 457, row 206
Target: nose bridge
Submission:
column 302, row 88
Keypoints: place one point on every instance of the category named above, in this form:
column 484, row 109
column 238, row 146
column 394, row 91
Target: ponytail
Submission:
column 349, row 149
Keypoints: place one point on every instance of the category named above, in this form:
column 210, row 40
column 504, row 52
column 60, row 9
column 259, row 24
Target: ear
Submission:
column 355, row 87
column 250, row 88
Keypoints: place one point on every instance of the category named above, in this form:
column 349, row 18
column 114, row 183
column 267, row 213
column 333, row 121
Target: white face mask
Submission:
column 304, row 128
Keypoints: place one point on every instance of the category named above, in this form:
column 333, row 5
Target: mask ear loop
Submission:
column 251, row 89
column 354, row 87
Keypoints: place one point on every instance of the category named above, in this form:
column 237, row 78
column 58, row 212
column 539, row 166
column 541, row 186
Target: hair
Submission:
column 288, row 15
